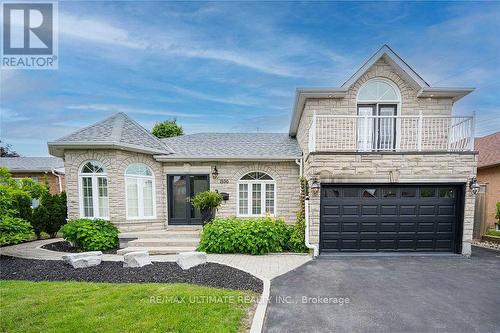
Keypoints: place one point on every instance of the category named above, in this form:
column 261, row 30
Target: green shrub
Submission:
column 252, row 236
column 91, row 235
column 50, row 215
column 493, row 232
column 207, row 200
column 497, row 215
column 296, row 243
column 14, row 230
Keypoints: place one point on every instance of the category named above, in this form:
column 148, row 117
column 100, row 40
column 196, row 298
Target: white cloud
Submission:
column 272, row 56
column 97, row 31
column 131, row 110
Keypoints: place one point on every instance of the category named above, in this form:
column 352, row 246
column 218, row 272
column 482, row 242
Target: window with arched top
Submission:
column 379, row 103
column 378, row 90
column 93, row 194
column 140, row 191
column 256, row 194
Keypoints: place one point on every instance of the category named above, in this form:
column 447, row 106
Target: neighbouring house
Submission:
column 488, row 174
column 387, row 163
column 40, row 169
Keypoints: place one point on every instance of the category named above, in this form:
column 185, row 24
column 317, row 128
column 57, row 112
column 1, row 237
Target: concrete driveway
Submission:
column 389, row 294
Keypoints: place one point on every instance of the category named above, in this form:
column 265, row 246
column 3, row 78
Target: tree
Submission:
column 167, row 129
column 7, row 151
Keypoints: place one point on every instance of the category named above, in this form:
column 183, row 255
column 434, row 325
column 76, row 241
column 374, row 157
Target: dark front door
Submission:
column 390, row 218
column 181, row 189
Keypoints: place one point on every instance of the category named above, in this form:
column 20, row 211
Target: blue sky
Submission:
column 234, row 67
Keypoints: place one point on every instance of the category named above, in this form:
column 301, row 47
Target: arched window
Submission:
column 379, row 102
column 378, row 90
column 256, row 194
column 140, row 191
column 93, row 190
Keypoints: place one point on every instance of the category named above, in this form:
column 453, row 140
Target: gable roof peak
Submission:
column 386, row 52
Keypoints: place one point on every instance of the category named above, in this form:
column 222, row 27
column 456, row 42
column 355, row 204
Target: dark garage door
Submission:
column 389, row 218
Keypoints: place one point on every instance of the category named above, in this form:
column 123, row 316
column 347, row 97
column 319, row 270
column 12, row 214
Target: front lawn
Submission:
column 493, row 232
column 104, row 307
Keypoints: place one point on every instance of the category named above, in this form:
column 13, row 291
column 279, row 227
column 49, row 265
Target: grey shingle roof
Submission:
column 118, row 130
column 234, row 145
column 32, row 163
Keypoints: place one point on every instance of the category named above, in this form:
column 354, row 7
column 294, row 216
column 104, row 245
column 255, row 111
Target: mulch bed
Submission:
column 209, row 274
column 64, row 246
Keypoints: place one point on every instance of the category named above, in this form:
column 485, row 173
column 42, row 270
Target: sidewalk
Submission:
column 266, row 266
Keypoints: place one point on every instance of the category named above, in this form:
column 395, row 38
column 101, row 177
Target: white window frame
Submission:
column 250, row 195
column 95, row 190
column 377, row 103
column 140, row 194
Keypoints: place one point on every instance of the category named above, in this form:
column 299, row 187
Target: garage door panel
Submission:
column 349, row 244
column 368, row 244
column 388, row 210
column 448, row 210
column 350, row 210
column 407, row 227
column 389, row 218
column 368, row 227
column 367, row 210
column 331, row 210
column 331, row 227
column 408, row 210
column 429, row 210
column 350, row 227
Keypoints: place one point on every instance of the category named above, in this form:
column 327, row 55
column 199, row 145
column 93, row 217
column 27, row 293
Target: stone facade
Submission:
column 285, row 174
column 384, row 167
column 392, row 168
column 116, row 161
column 410, row 103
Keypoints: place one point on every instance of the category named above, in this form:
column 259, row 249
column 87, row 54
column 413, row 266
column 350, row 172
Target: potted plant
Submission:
column 207, row 202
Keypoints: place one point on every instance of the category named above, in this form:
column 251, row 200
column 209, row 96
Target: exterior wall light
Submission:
column 315, row 186
column 215, row 172
column 474, row 185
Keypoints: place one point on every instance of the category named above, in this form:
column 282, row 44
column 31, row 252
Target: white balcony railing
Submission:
column 338, row 133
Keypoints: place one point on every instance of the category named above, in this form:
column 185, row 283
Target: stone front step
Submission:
column 125, row 227
column 157, row 250
column 160, row 234
column 166, row 238
column 163, row 242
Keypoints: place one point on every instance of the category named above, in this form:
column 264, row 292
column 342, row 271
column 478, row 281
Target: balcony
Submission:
column 339, row 133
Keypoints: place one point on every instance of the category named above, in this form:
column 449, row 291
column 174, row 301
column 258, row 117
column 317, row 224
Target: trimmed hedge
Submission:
column 91, row 235
column 14, row 230
column 252, row 236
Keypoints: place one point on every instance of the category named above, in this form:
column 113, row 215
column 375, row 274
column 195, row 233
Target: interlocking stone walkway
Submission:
column 264, row 266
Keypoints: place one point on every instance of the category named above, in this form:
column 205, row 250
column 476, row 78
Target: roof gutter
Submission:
column 444, row 92
column 57, row 148
column 170, row 158
column 302, row 94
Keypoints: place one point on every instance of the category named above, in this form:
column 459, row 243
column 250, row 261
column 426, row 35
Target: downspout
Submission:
column 58, row 179
column 309, row 245
column 298, row 161
column 306, row 208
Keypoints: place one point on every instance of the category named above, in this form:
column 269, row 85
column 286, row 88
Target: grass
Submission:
column 493, row 232
column 104, row 307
